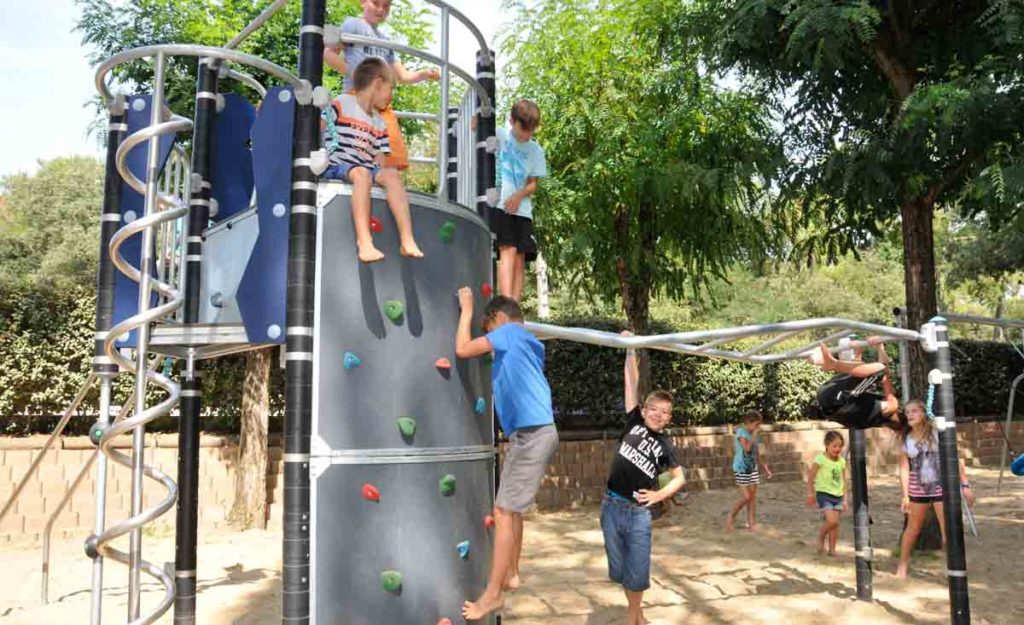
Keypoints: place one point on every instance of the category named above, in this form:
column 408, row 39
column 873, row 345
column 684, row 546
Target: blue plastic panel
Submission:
column 231, row 161
column 261, row 295
column 133, row 206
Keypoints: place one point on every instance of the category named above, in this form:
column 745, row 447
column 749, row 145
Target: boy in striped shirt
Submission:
column 356, row 140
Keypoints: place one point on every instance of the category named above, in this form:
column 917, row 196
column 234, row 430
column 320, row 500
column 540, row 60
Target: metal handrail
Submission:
column 1006, row 430
column 181, row 49
column 68, row 412
column 444, row 6
column 256, row 24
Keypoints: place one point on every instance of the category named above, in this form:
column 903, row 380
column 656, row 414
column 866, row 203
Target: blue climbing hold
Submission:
column 481, row 405
column 1017, row 466
column 463, row 548
column 352, row 361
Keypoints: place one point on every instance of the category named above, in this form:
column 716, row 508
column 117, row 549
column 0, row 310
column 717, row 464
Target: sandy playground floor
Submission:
column 701, row 576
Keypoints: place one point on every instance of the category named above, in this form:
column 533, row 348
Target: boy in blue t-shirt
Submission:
column 522, row 399
column 520, row 164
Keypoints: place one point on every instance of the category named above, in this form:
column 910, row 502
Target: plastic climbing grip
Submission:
column 370, row 492
column 376, row 225
column 407, row 426
column 351, row 361
column 443, row 363
column 391, row 581
column 463, row 549
column 446, row 232
column 447, row 485
column 394, row 310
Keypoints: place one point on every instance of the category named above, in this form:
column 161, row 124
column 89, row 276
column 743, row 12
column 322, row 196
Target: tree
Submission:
column 889, row 108
column 656, row 173
column 249, row 509
column 49, row 226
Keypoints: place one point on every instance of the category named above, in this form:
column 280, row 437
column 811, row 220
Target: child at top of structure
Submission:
column 356, row 141
column 849, row 397
column 643, row 452
column 367, row 25
column 520, row 163
column 826, row 489
column 747, row 458
column 921, row 480
column 522, row 399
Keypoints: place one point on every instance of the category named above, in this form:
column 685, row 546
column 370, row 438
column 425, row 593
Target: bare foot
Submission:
column 369, row 253
column 411, row 250
column 832, row 553
column 754, row 528
column 901, row 571
column 821, row 550
column 476, row 610
column 730, row 524
column 511, row 583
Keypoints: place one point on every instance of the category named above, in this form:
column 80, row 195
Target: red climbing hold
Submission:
column 375, row 225
column 486, row 290
column 443, row 363
column 488, row 521
column 445, row 621
column 370, row 492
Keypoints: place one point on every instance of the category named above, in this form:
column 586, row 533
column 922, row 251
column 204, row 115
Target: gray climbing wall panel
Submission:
column 371, row 370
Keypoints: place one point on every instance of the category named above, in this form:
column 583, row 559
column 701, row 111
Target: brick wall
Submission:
column 575, row 477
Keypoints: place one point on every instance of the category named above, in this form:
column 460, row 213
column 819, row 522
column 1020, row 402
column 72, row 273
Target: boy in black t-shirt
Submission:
column 643, row 452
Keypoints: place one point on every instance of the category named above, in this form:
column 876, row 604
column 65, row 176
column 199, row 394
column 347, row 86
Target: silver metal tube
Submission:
column 772, row 342
column 1006, row 430
column 48, row 531
column 142, row 342
column 445, row 7
column 984, row 321
column 99, row 517
column 255, row 25
column 426, row 117
column 247, row 80
column 442, row 141
column 901, row 321
column 423, row 160
column 801, row 351
column 68, row 412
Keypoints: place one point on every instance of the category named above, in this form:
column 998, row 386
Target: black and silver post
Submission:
column 104, row 368
column 299, row 337
column 486, row 141
column 452, row 167
column 200, row 198
column 940, row 382
column 861, row 515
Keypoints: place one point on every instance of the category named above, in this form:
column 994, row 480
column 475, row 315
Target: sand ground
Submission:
column 701, row 575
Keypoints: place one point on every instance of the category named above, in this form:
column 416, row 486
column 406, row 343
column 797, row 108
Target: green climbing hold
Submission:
column 391, row 581
column 394, row 310
column 446, row 232
column 447, row 485
column 407, row 425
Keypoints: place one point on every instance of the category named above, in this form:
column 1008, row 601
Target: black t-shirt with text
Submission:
column 641, row 455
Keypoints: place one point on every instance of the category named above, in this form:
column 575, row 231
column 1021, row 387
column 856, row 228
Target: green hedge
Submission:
column 45, row 350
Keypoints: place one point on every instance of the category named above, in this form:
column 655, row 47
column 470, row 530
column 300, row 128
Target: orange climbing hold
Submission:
column 443, row 363
column 445, row 621
column 376, row 225
column 486, row 290
column 488, row 521
column 370, row 492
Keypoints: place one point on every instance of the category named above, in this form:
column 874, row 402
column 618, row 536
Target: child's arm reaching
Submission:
column 514, row 200
column 407, row 77
column 630, row 378
column 651, row 497
column 812, row 471
column 334, row 59
column 465, row 345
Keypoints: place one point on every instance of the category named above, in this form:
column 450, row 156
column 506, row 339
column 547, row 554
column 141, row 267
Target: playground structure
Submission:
column 389, row 444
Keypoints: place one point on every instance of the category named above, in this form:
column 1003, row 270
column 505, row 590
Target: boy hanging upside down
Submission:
column 851, row 396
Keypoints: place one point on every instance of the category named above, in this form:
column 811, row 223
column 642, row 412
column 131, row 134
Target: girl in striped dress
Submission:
column 746, row 459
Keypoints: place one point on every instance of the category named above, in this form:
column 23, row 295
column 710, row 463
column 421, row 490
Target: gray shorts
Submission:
column 529, row 452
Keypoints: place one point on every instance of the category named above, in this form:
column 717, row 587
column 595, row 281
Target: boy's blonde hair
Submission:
column 370, row 70
column 658, row 395
column 526, row 113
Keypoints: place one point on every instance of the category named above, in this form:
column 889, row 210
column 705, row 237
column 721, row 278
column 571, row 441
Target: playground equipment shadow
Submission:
column 701, row 575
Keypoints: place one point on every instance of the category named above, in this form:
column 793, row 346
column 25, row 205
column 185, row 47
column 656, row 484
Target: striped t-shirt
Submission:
column 351, row 135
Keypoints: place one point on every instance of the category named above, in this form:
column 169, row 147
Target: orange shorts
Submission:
column 399, row 157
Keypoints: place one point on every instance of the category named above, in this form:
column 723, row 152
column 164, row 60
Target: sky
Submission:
column 48, row 85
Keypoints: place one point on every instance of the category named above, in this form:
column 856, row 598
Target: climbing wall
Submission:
column 402, row 451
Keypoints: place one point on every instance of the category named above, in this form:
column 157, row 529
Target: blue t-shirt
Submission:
column 744, row 461
column 517, row 161
column 522, row 397
column 357, row 53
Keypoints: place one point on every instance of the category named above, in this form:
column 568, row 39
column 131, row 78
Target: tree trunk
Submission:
column 250, row 506
column 997, row 331
column 635, row 282
column 543, row 302
column 919, row 281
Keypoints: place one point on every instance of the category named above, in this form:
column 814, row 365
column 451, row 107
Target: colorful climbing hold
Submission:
column 446, row 232
column 407, row 426
column 447, row 485
column 376, row 225
column 481, row 405
column 391, row 581
column 370, row 492
column 443, row 363
column 463, row 549
column 394, row 310
column 486, row 290
column 488, row 521
column 445, row 621
column 351, row 361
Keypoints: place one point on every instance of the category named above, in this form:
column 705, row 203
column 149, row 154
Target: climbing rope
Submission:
column 930, row 402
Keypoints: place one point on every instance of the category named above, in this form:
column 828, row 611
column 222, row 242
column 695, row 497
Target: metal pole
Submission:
column 901, row 320
column 102, row 366
column 442, row 140
column 1007, row 431
column 187, row 513
column 295, row 587
column 254, row 25
column 486, row 141
column 142, row 339
column 861, row 515
column 941, row 377
column 453, row 164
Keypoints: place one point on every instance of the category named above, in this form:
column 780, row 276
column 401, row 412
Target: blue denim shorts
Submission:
column 340, row 172
column 828, row 501
column 627, row 542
